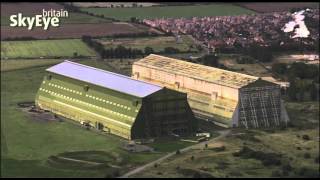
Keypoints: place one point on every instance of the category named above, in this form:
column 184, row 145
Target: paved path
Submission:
column 199, row 145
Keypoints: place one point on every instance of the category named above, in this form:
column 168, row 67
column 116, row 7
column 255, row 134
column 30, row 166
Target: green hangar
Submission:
column 114, row 103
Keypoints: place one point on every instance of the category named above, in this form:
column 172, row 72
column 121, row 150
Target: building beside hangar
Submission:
column 114, row 103
column 224, row 97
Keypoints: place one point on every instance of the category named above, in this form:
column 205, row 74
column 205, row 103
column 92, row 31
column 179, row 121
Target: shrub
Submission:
column 287, row 167
column 307, row 172
column 267, row 159
column 196, row 175
column 219, row 149
column 307, row 155
column 178, row 152
column 171, row 50
column 235, row 173
column 305, row 137
column 222, row 165
column 116, row 173
column 108, row 175
column 192, row 158
column 276, row 173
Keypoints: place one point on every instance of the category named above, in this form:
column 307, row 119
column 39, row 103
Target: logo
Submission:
column 45, row 20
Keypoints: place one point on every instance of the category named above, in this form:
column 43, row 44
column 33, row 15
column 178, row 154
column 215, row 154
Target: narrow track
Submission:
column 141, row 168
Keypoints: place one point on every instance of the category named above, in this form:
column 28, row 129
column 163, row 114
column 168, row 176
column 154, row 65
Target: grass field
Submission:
column 9, row 65
column 170, row 11
column 44, row 48
column 156, row 43
column 26, row 144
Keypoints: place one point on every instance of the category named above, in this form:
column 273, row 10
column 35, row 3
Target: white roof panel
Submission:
column 104, row 78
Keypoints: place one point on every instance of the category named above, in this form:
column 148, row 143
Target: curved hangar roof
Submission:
column 104, row 78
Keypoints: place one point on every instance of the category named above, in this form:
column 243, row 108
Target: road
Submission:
column 199, row 145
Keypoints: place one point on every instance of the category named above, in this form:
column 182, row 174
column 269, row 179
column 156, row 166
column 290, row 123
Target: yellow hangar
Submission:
column 224, row 97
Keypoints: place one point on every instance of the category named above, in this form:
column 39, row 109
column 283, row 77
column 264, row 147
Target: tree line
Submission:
column 118, row 52
column 123, row 52
column 303, row 79
column 265, row 53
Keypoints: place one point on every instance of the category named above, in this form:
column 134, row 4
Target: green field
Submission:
column 44, row 49
column 9, row 65
column 156, row 43
column 28, row 144
column 79, row 18
column 170, row 11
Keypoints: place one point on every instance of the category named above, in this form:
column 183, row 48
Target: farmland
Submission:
column 27, row 8
column 282, row 6
column 71, row 31
column 10, row 65
column 156, row 43
column 170, row 11
column 44, row 49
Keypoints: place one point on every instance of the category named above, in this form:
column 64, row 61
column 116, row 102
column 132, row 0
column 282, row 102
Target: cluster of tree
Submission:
column 210, row 60
column 303, row 78
column 120, row 35
column 121, row 51
column 118, row 52
column 267, row 159
column 24, row 38
column 134, row 35
column 70, row 7
column 100, row 16
column 261, row 53
column 290, row 45
column 245, row 60
column 170, row 50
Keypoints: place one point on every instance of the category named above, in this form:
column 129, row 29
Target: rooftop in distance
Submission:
column 104, row 78
column 211, row 74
